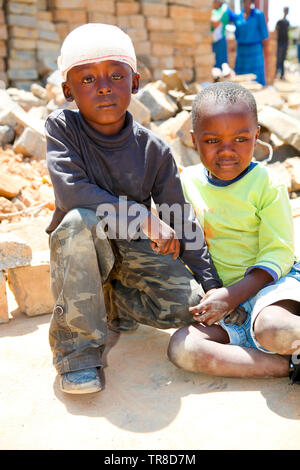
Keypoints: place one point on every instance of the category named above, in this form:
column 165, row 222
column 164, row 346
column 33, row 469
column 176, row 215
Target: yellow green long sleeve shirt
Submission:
column 247, row 223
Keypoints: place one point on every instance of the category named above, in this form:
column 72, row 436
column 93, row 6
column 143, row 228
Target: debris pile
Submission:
column 164, row 106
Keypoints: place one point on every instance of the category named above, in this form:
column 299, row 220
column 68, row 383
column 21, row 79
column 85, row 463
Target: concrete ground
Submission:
column 147, row 402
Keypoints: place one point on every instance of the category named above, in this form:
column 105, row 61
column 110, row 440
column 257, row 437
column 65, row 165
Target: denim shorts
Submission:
column 287, row 287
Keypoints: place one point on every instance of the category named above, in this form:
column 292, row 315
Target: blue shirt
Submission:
column 252, row 29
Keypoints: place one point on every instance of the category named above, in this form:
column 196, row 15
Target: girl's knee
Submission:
column 185, row 350
column 176, row 348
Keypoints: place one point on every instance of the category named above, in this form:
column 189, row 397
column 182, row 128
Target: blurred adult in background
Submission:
column 251, row 35
column 282, row 29
column 221, row 16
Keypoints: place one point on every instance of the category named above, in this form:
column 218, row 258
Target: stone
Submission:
column 7, row 118
column 39, row 91
column 13, row 251
column 173, row 80
column 25, row 99
column 6, row 207
column 184, row 130
column 268, row 96
column 31, row 286
column 160, row 105
column 293, row 167
column 32, row 144
column 27, row 120
column 283, row 151
column 139, row 111
column 7, row 134
column 5, row 100
column 178, row 126
column 4, row 316
column 286, row 127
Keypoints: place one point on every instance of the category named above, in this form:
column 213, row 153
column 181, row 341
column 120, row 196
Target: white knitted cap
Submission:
column 95, row 42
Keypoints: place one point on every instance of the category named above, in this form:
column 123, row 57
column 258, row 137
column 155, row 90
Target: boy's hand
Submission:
column 163, row 238
column 215, row 305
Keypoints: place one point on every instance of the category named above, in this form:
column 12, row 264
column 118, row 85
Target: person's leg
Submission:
column 152, row 289
column 80, row 261
column 205, row 349
column 277, row 327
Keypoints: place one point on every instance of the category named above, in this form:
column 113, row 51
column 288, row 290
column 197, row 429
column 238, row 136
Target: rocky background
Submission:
column 163, row 105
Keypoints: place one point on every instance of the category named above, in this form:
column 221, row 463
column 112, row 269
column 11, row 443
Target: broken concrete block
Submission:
column 25, row 99
column 7, row 119
column 284, row 151
column 13, row 251
column 39, row 91
column 5, row 100
column 161, row 106
column 31, row 143
column 178, row 126
column 281, row 175
column 286, row 127
column 173, row 80
column 293, row 167
column 184, row 156
column 139, row 111
column 6, row 207
column 184, row 130
column 4, row 317
column 10, row 186
column 31, row 286
column 268, row 97
column 26, row 120
column 7, row 134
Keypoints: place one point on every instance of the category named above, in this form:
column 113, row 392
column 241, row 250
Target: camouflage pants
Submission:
column 94, row 278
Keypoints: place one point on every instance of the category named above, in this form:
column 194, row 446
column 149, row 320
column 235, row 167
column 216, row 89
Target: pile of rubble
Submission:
column 164, row 106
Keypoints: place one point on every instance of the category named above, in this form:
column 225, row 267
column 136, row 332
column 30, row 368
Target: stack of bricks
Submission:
column 3, row 38
column 204, row 58
column 48, row 40
column 130, row 18
column 166, row 34
column 22, row 41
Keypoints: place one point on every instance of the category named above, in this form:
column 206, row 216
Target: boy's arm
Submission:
column 175, row 211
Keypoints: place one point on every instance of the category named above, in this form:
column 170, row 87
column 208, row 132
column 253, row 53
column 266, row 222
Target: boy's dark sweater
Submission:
column 88, row 169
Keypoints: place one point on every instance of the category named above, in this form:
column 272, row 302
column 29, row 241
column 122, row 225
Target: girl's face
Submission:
column 225, row 137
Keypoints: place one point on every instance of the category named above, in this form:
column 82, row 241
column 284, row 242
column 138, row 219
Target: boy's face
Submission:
column 102, row 92
column 225, row 137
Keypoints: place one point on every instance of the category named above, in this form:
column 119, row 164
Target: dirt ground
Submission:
column 147, row 402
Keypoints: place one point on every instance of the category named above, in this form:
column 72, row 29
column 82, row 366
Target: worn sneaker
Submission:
column 81, row 381
column 294, row 373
